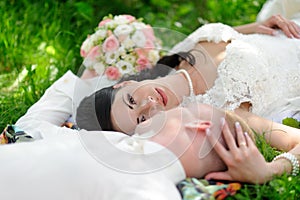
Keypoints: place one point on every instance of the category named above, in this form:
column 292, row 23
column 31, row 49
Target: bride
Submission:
column 229, row 68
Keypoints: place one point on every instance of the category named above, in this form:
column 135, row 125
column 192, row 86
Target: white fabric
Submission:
column 288, row 8
column 63, row 169
column 70, row 164
column 261, row 69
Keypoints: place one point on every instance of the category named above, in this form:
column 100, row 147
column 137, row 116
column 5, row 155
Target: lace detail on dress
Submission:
column 260, row 69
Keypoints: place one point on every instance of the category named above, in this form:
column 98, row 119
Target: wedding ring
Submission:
column 243, row 144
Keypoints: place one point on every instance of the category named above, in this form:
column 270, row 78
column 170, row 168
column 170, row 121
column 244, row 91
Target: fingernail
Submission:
column 237, row 124
column 245, row 133
column 207, row 131
column 275, row 33
column 222, row 121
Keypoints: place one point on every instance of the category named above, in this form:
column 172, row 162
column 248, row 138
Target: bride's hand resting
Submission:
column 269, row 26
column 244, row 161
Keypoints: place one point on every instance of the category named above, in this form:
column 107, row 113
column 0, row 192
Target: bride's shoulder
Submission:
column 216, row 32
column 213, row 32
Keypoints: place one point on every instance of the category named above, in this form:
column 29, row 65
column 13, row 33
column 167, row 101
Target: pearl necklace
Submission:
column 189, row 80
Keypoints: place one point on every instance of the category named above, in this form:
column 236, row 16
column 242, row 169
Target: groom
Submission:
column 183, row 131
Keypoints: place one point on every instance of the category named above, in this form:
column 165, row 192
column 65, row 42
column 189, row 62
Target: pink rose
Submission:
column 129, row 18
column 143, row 63
column 110, row 44
column 94, row 53
column 83, row 53
column 103, row 22
column 140, row 52
column 112, row 73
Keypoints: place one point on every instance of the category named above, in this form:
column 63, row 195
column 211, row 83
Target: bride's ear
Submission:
column 198, row 125
column 124, row 83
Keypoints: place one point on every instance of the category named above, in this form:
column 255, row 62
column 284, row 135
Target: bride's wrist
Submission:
column 285, row 163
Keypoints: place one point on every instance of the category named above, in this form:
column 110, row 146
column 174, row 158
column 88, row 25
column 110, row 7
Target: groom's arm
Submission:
column 54, row 107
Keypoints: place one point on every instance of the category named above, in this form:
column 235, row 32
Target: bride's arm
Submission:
column 277, row 135
column 270, row 26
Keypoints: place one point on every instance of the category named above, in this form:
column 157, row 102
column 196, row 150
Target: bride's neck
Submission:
column 178, row 84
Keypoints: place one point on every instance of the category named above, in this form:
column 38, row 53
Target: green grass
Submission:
column 283, row 187
column 40, row 41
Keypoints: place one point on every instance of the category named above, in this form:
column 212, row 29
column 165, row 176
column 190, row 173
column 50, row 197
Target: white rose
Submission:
column 128, row 43
column 111, row 24
column 123, row 29
column 124, row 67
column 100, row 34
column 87, row 45
column 139, row 25
column 120, row 19
column 139, row 38
column 99, row 68
column 153, row 56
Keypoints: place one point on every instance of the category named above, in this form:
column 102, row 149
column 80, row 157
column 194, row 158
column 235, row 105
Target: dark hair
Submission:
column 93, row 112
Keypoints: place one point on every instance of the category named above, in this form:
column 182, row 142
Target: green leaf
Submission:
column 291, row 122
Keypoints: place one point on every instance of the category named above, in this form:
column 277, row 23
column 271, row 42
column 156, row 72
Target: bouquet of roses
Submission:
column 120, row 45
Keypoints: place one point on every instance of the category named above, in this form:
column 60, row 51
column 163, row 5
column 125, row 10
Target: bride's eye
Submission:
column 142, row 119
column 131, row 99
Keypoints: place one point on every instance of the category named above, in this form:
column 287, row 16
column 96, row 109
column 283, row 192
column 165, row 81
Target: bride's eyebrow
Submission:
column 124, row 101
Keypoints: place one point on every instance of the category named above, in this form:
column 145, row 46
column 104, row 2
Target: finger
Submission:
column 249, row 141
column 295, row 30
column 218, row 147
column 297, row 27
column 289, row 27
column 266, row 30
column 283, row 24
column 228, row 136
column 240, row 135
column 290, row 30
column 219, row 176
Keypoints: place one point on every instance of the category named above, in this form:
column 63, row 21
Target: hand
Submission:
column 244, row 162
column 290, row 28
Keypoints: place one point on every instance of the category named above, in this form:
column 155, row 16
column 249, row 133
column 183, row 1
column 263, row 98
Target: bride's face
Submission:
column 135, row 102
column 182, row 130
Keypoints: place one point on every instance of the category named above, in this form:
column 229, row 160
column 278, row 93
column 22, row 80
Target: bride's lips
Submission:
column 163, row 96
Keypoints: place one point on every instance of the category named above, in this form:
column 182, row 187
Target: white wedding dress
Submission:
column 261, row 69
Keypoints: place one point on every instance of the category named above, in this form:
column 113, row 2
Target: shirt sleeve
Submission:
column 54, row 107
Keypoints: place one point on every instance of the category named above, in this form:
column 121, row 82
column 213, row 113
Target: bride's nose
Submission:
column 149, row 101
